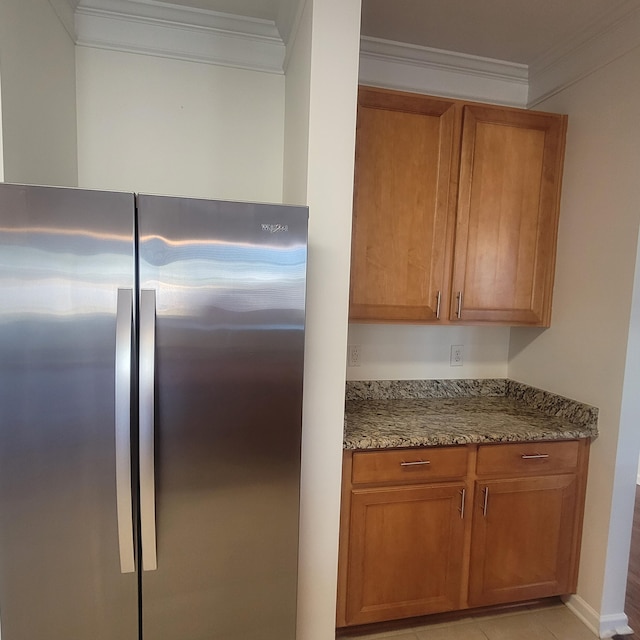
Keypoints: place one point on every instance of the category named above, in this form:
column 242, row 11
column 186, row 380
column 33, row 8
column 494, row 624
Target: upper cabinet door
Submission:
column 406, row 157
column 508, row 203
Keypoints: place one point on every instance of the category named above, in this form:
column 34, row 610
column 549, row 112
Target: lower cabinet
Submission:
column 438, row 529
column 406, row 558
column 522, row 539
column 527, row 520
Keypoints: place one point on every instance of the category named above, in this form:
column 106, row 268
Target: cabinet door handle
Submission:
column 438, row 300
column 462, row 493
column 415, row 464
column 535, row 456
column 485, row 501
column 459, row 309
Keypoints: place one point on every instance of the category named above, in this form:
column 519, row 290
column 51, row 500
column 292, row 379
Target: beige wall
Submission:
column 327, row 41
column 37, row 72
column 584, row 352
column 179, row 128
column 297, row 98
column 413, row 352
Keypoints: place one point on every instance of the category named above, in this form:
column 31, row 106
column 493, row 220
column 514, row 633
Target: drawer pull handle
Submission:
column 535, row 456
column 415, row 464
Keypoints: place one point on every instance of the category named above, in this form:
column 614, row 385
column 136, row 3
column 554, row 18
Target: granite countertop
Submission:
column 412, row 413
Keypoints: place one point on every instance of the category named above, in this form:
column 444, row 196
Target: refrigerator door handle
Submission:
column 124, row 328
column 147, row 428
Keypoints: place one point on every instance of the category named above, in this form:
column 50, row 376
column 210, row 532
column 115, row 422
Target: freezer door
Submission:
column 63, row 255
column 222, row 509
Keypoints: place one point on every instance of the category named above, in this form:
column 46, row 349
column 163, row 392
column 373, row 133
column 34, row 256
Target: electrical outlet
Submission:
column 354, row 355
column 456, row 359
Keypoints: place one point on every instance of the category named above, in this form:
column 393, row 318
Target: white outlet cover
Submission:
column 457, row 355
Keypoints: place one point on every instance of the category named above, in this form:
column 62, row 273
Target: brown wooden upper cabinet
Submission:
column 455, row 211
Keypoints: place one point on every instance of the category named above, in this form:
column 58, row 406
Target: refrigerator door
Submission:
column 229, row 282
column 63, row 255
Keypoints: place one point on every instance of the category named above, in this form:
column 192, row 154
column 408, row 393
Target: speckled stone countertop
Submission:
column 411, row 413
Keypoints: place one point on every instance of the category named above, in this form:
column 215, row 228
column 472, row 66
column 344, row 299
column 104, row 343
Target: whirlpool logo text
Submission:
column 275, row 228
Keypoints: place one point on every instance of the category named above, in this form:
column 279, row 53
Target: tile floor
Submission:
column 551, row 621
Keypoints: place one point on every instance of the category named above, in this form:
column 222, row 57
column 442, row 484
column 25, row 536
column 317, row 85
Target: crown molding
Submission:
column 610, row 36
column 440, row 59
column 162, row 29
column 415, row 68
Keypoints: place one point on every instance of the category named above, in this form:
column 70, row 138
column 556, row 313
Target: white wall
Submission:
column 179, row 128
column 323, row 102
column 414, row 352
column 297, row 99
column 37, row 71
column 583, row 354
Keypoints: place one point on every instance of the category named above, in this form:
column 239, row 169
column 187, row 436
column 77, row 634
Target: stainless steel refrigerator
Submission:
column 151, row 360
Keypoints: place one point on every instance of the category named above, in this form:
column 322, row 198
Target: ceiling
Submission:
column 513, row 30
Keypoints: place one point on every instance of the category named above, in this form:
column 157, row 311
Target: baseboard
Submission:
column 603, row 626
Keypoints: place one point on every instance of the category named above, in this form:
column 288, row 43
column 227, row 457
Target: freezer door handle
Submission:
column 124, row 329
column 147, row 428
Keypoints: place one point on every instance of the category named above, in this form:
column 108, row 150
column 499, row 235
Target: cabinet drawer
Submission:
column 528, row 458
column 409, row 465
